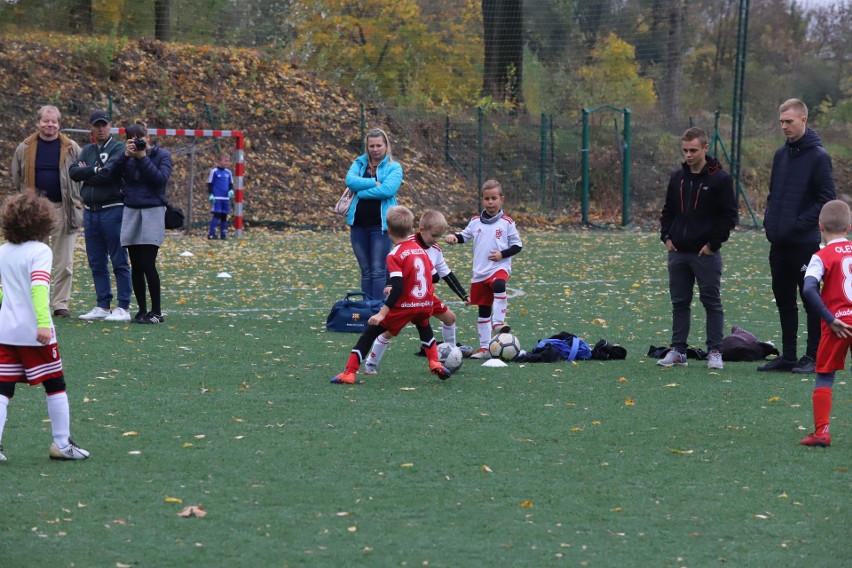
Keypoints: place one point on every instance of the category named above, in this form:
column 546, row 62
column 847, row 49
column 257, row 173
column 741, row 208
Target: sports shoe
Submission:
column 814, row 439
column 118, row 314
column 497, row 329
column 370, row 369
column 805, row 366
column 673, row 359
column 483, row 353
column 211, row 237
column 151, row 317
column 96, row 313
column 2, row 456
column 779, row 364
column 466, row 350
column 61, row 313
column 70, row 452
column 714, row 360
column 344, row 379
column 437, row 368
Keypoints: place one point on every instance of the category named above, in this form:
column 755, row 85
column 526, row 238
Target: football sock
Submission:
column 448, row 332
column 60, row 417
column 378, row 351
column 4, row 404
column 354, row 362
column 822, row 409
column 499, row 314
column 483, row 329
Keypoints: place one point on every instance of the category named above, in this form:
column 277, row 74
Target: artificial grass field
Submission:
column 228, row 406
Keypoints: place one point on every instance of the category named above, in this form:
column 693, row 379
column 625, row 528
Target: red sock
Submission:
column 432, row 352
column 822, row 409
column 353, row 364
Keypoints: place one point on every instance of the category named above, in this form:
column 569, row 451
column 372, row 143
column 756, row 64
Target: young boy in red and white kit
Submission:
column 495, row 241
column 28, row 350
column 831, row 265
column 433, row 225
column 411, row 298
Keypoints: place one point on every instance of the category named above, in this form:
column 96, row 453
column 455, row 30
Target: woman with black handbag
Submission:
column 145, row 170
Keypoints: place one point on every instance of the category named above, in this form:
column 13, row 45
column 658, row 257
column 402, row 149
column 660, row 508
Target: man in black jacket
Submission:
column 800, row 184
column 698, row 216
column 103, row 201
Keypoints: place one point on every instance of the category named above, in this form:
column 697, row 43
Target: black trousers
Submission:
column 787, row 264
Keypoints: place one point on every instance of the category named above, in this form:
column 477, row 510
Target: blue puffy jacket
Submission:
column 389, row 174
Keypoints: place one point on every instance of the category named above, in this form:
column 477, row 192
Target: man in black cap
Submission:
column 104, row 206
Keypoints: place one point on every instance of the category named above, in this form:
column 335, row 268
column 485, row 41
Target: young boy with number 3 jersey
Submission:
column 833, row 266
column 495, row 241
column 411, row 298
column 28, row 350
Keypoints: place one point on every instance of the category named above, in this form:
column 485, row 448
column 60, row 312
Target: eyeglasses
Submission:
column 691, row 150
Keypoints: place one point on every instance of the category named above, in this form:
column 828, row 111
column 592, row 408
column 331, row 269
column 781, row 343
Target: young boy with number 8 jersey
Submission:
column 28, row 350
column 495, row 241
column 833, row 266
column 411, row 298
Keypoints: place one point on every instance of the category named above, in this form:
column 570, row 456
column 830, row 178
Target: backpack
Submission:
column 743, row 345
column 604, row 351
column 563, row 346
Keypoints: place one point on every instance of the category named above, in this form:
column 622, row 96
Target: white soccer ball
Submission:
column 450, row 356
column 505, row 346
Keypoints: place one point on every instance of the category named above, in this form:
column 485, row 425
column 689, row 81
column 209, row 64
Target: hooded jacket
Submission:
column 800, row 184
column 23, row 175
column 100, row 188
column 388, row 172
column 700, row 209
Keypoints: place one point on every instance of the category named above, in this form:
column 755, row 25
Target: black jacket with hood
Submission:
column 800, row 184
column 700, row 209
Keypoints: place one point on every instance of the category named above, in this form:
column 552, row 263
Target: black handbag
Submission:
column 174, row 217
column 351, row 315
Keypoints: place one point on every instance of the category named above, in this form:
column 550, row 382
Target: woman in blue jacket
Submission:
column 145, row 171
column 374, row 178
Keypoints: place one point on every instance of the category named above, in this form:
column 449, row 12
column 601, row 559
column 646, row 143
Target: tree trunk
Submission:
column 162, row 20
column 504, row 50
column 80, row 18
column 669, row 91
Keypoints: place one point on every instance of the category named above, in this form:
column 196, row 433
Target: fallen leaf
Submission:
column 622, row 379
column 130, row 434
column 486, row 469
column 685, row 452
column 192, row 511
column 526, row 504
column 406, row 465
column 173, row 500
column 629, row 402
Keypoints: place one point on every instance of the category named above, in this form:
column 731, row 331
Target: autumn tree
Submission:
column 503, row 43
column 612, row 76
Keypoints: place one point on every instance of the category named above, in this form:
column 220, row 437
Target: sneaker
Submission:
column 420, row 353
column 211, row 237
column 223, row 237
column 779, row 364
column 96, row 313
column 139, row 316
column 151, row 317
column 466, row 350
column 2, row 456
column 61, row 313
column 344, row 379
column 673, row 359
column 814, row 439
column 370, row 369
column 805, row 366
column 714, row 360
column 483, row 353
column 497, row 329
column 437, row 368
column 70, row 452
column 118, row 314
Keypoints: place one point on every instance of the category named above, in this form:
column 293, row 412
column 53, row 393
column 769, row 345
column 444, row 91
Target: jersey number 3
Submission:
column 422, row 287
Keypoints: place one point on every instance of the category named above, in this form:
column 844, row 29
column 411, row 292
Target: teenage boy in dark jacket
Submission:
column 800, row 184
column 698, row 216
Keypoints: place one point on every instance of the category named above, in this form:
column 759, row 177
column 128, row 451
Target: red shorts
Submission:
column 29, row 364
column 482, row 293
column 397, row 319
column 438, row 307
column 831, row 355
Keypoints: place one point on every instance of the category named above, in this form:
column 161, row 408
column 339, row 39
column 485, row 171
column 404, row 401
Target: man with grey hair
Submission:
column 42, row 163
column 800, row 184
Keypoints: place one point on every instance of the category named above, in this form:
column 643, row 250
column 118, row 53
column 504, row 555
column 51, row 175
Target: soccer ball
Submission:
column 450, row 356
column 505, row 346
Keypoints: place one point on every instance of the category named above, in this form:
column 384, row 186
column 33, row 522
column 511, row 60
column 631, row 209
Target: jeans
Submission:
column 103, row 244
column 371, row 246
column 685, row 268
column 787, row 264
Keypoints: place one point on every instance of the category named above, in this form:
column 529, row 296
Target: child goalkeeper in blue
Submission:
column 220, row 186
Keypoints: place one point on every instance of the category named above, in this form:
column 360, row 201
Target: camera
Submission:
column 139, row 143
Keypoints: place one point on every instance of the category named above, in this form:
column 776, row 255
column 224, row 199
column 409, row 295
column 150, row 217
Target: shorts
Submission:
column 831, row 354
column 398, row 319
column 29, row 363
column 438, row 307
column 482, row 293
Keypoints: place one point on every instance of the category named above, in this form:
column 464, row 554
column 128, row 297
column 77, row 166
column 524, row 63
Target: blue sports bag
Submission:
column 351, row 314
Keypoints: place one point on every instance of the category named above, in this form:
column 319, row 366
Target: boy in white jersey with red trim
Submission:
column 495, row 241
column 28, row 350
column 833, row 266
column 411, row 298
column 432, row 226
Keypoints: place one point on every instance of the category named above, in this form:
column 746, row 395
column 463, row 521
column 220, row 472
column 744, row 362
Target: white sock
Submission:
column 380, row 345
column 483, row 329
column 60, row 418
column 498, row 314
column 448, row 332
column 4, row 403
